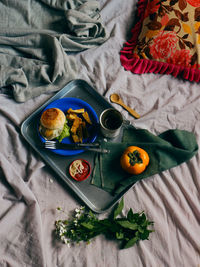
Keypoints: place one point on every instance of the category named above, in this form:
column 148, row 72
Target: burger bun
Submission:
column 52, row 123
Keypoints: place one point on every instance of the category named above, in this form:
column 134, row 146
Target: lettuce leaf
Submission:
column 65, row 132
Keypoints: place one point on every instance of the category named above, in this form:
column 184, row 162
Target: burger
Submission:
column 53, row 124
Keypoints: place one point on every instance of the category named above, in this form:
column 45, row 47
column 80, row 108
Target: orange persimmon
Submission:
column 134, row 160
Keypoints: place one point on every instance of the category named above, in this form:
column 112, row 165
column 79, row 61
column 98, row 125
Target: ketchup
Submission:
column 81, row 174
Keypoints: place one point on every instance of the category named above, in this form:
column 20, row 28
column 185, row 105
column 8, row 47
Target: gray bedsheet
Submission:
column 29, row 190
column 35, row 37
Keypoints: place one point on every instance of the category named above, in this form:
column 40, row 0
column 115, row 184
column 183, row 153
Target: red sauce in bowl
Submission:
column 80, row 169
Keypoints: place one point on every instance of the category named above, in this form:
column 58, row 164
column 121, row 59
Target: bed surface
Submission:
column 30, row 191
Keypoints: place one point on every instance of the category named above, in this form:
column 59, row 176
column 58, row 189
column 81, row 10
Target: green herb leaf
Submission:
column 145, row 235
column 87, row 225
column 130, row 216
column 119, row 235
column 106, row 222
column 142, row 218
column 140, row 229
column 119, row 208
column 131, row 242
column 91, row 215
column 127, row 224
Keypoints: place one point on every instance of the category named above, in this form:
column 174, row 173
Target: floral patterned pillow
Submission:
column 165, row 39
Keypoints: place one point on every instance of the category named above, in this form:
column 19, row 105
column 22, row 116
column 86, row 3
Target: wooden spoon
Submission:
column 115, row 98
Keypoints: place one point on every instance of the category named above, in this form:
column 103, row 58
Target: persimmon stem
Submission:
column 134, row 157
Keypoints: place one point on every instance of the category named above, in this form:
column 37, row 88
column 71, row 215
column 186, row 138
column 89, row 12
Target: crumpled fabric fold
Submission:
column 35, row 38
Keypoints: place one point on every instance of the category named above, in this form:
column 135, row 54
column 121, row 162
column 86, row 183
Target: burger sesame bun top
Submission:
column 53, row 118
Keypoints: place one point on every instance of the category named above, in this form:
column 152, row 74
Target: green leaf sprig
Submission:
column 84, row 225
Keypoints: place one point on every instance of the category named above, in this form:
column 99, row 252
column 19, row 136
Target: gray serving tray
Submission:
column 95, row 198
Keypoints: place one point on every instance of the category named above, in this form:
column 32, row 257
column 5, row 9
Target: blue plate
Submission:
column 75, row 103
